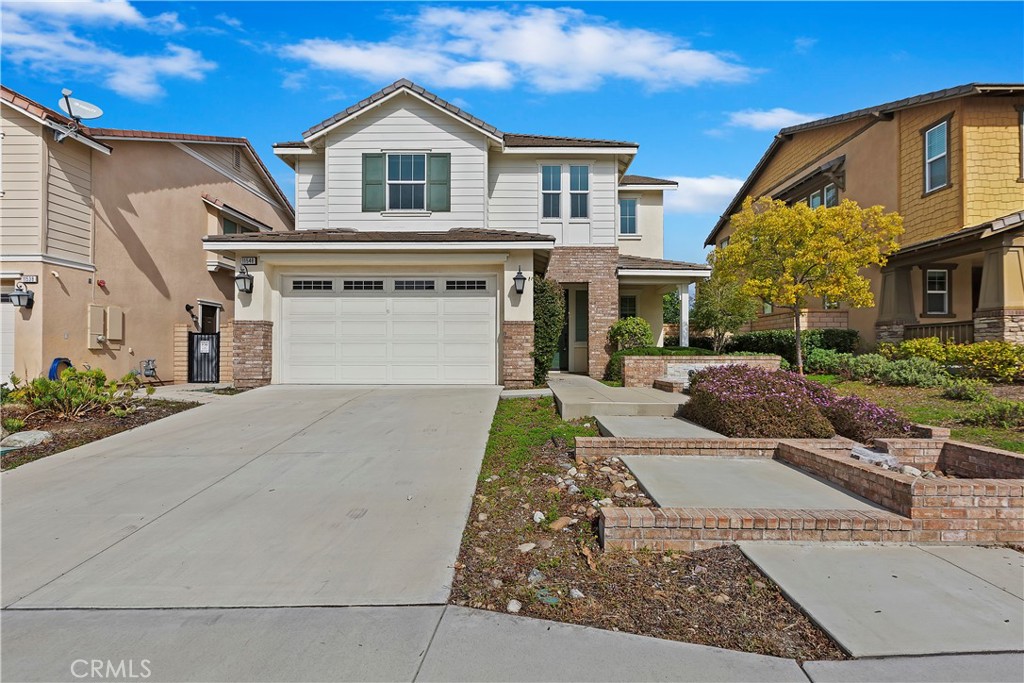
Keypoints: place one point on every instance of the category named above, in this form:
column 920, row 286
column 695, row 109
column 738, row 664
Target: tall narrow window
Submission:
column 582, row 331
column 936, row 292
column 627, row 217
column 936, row 159
column 815, row 200
column 627, row 306
column 579, row 191
column 831, row 195
column 551, row 191
column 407, row 180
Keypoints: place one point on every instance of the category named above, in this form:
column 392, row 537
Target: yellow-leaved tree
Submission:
column 785, row 255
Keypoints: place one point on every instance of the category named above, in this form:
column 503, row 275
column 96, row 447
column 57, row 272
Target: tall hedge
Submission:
column 548, row 320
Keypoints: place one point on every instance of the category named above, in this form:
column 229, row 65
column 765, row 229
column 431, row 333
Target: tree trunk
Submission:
column 799, row 346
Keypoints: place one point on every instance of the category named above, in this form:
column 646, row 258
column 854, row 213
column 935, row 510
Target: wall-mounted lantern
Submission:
column 520, row 281
column 22, row 296
column 243, row 280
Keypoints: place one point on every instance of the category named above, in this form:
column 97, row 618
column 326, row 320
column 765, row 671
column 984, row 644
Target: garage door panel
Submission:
column 406, row 351
column 312, row 374
column 474, row 328
column 369, row 374
column 411, row 374
column 314, row 328
column 369, row 330
column 469, row 374
column 311, row 306
column 311, row 351
column 421, row 329
column 415, row 306
column 467, row 306
column 355, row 351
column 363, row 305
column 475, row 352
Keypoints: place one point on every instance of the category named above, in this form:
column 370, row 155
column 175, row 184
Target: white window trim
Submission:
column 388, row 211
column 590, row 182
column 944, row 292
column 636, row 217
column 824, row 195
column 561, row 192
column 928, row 187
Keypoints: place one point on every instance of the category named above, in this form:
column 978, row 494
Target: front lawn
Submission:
column 555, row 569
column 927, row 406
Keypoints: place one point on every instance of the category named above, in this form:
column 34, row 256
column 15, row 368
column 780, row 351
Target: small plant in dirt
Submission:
column 631, row 333
column 999, row 412
column 965, row 390
column 76, row 393
column 13, row 424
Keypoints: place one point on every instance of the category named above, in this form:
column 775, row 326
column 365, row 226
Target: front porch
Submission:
column 965, row 287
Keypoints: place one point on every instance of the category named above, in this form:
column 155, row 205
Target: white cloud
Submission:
column 551, row 49
column 710, row 194
column 804, row 44
column 770, row 119
column 48, row 41
column 228, row 20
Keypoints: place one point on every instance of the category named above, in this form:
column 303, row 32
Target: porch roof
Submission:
column 963, row 236
column 345, row 239
column 643, row 267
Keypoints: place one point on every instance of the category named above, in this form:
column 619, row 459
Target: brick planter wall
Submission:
column 593, row 448
column 516, row 361
column 252, row 353
column 641, row 371
column 597, row 268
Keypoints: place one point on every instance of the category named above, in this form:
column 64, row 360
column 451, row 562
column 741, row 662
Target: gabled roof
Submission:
column 236, row 213
column 646, row 263
column 405, row 85
column 881, row 111
column 49, row 117
column 996, row 225
column 646, row 180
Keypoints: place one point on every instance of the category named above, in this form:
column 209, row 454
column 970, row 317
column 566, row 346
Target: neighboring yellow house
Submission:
column 952, row 163
column 104, row 228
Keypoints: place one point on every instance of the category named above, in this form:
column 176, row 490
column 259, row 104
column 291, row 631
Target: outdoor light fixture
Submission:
column 520, row 281
column 22, row 297
column 244, row 281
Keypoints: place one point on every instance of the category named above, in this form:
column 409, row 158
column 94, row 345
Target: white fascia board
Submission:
column 239, row 217
column 293, row 151
column 376, row 246
column 623, row 272
column 390, row 96
column 564, row 151
column 661, row 188
column 53, row 125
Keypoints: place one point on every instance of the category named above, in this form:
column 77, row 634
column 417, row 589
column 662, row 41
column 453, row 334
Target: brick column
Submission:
column 999, row 324
column 252, row 356
column 595, row 267
column 516, row 354
column 179, row 366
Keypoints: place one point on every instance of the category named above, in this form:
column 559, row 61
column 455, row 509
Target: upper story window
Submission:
column 627, row 217
column 551, row 191
column 579, row 192
column 936, row 157
column 407, row 182
column 825, row 196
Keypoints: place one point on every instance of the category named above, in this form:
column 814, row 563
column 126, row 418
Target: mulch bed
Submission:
column 713, row 597
column 71, row 433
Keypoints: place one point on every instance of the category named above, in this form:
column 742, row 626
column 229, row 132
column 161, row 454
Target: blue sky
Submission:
column 702, row 87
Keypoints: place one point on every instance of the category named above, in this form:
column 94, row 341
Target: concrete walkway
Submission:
column 653, row 428
column 281, row 496
column 878, row 601
column 579, row 396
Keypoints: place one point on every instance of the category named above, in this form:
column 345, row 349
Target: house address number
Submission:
column 249, row 260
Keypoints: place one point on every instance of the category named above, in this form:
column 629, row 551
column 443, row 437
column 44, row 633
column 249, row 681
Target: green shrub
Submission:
column 965, row 390
column 1000, row 412
column 827, row 362
column 928, row 347
column 613, row 372
column 867, row 367
column 548, row 321
column 699, row 343
column 912, row 372
column 79, row 392
column 783, row 342
column 631, row 333
column 998, row 361
column 13, row 424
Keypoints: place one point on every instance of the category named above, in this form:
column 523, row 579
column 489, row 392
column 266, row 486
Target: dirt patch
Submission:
column 712, row 597
column 72, row 433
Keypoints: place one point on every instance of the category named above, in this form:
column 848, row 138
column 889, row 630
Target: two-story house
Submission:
column 951, row 162
column 420, row 229
column 102, row 227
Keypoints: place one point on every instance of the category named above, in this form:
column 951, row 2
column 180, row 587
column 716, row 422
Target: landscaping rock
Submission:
column 547, row 597
column 633, row 561
column 497, row 583
column 576, row 594
column 538, row 517
column 513, row 606
column 482, row 517
column 912, row 471
column 721, row 598
column 874, row 457
column 526, row 547
column 562, row 522
column 30, row 437
column 545, row 543
column 574, row 489
column 535, row 576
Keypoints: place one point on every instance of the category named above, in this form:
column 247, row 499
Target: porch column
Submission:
column 1000, row 314
column 896, row 304
column 683, row 292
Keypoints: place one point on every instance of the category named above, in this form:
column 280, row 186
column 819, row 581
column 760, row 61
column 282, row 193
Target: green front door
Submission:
column 561, row 359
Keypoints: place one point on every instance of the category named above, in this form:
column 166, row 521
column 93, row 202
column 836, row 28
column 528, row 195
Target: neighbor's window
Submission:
column 627, row 306
column 627, row 217
column 407, row 182
column 936, row 159
column 767, row 308
column 936, row 292
column 579, row 191
column 233, row 228
column 831, row 195
column 551, row 191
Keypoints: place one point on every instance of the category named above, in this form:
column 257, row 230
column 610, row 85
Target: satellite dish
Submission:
column 78, row 109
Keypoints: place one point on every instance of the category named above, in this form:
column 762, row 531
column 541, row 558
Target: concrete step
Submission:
column 653, row 428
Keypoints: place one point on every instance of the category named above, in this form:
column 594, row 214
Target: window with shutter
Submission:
column 439, row 182
column 373, row 182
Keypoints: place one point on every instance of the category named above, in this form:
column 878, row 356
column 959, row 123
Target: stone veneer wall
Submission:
column 999, row 325
column 516, row 354
column 810, row 319
column 253, row 353
column 642, row 371
column 597, row 268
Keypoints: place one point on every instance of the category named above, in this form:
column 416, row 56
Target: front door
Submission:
column 561, row 358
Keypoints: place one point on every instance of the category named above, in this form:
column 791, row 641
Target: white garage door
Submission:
column 388, row 330
column 7, row 312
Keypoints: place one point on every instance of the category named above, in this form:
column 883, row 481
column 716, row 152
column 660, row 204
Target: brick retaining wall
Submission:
column 641, row 371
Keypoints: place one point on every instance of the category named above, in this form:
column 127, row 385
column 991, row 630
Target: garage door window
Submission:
column 414, row 285
column 313, row 285
column 363, row 285
column 465, row 285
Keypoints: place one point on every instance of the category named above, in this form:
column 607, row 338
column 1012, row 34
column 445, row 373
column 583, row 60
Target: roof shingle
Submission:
column 646, row 180
column 647, row 263
column 351, row 235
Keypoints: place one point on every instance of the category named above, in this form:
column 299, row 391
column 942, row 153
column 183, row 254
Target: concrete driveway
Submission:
column 283, row 496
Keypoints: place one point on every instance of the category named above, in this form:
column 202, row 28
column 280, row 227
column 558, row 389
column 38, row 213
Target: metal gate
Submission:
column 203, row 357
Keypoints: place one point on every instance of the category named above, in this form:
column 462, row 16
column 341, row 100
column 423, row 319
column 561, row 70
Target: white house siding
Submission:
column 514, row 186
column 21, row 180
column 69, row 201
column 310, row 195
column 405, row 124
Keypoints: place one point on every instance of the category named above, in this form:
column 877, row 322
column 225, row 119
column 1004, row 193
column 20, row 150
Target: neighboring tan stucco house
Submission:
column 950, row 162
column 414, row 219
column 104, row 227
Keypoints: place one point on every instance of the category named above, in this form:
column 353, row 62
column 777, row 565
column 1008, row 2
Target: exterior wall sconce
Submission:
column 520, row 281
column 243, row 280
column 22, row 297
